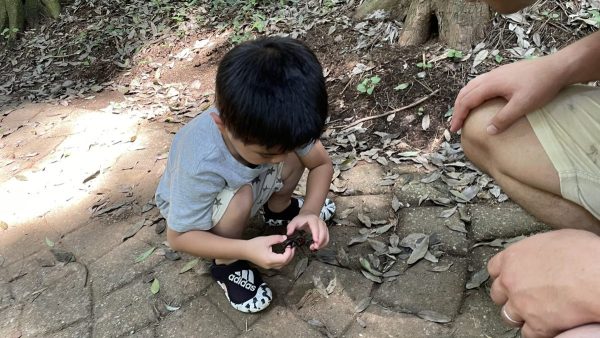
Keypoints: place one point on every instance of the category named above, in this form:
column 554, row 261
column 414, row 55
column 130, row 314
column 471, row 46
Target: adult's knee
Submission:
column 477, row 144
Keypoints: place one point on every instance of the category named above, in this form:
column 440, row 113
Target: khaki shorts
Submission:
column 262, row 188
column 569, row 130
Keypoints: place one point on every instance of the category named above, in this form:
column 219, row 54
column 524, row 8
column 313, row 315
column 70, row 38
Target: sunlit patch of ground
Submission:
column 91, row 142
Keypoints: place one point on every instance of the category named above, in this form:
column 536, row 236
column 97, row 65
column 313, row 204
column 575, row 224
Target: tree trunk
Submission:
column 14, row 14
column 458, row 23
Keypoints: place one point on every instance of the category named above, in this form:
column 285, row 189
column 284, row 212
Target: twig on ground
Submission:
column 347, row 84
column 425, row 86
column 416, row 103
column 86, row 273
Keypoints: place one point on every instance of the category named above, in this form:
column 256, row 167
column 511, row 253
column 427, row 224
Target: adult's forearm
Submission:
column 317, row 187
column 207, row 245
column 579, row 61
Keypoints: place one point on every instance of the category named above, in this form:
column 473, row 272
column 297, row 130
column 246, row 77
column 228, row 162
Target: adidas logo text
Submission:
column 242, row 282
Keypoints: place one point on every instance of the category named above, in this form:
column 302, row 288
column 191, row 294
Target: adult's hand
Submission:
column 549, row 282
column 526, row 85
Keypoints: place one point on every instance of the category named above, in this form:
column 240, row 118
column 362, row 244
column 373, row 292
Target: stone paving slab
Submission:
column 142, row 333
column 6, row 297
column 176, row 288
column 281, row 322
column 124, row 310
column 376, row 207
column 199, row 318
column 480, row 316
column 9, row 325
column 57, row 306
column 410, row 190
column 82, row 329
column 427, row 220
column 364, row 179
column 38, row 272
column 341, row 235
column 504, row 220
column 78, row 216
column 93, row 240
column 336, row 310
column 118, row 267
column 420, row 289
column 22, row 242
column 381, row 322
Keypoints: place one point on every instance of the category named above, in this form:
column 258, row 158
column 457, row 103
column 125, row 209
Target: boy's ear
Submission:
column 218, row 121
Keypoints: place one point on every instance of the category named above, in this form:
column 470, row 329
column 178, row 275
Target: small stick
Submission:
column 416, row 103
column 347, row 84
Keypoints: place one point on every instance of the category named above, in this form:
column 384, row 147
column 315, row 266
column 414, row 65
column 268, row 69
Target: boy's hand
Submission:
column 260, row 252
column 314, row 224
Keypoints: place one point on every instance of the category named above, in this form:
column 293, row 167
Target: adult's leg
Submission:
column 585, row 331
column 518, row 162
column 290, row 175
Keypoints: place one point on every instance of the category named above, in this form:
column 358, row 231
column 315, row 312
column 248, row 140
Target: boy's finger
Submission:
column 290, row 256
column 287, row 257
column 315, row 231
column 276, row 239
column 292, row 226
column 325, row 240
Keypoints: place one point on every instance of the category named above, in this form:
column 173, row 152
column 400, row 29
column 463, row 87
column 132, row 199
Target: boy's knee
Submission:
column 242, row 200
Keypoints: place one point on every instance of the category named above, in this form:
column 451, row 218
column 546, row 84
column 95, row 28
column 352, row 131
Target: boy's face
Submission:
column 255, row 154
column 252, row 154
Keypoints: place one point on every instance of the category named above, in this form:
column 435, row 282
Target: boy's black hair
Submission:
column 271, row 92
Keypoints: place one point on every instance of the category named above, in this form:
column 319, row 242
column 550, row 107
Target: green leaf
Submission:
column 402, row 86
column 375, row 79
column 499, row 58
column 49, row 242
column 144, row 255
column 370, row 90
column 189, row 265
column 361, row 88
column 155, row 286
column 421, row 65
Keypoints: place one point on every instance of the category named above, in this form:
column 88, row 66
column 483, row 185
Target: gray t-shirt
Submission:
column 199, row 167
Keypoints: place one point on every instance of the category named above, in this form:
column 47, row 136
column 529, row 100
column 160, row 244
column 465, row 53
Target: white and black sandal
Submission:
column 243, row 286
column 284, row 217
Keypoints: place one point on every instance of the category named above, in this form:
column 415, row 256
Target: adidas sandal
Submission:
column 243, row 286
column 284, row 217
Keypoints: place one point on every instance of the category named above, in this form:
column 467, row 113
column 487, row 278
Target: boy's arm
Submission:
column 318, row 162
column 206, row 244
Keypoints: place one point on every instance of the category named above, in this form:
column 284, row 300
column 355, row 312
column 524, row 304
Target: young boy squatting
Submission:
column 248, row 153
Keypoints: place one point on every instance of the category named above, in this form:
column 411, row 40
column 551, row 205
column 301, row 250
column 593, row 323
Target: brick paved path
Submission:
column 64, row 166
